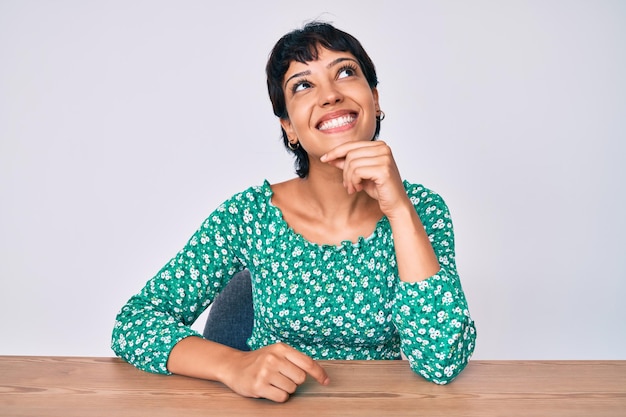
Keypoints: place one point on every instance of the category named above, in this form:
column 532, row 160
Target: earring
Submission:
column 381, row 115
column 293, row 146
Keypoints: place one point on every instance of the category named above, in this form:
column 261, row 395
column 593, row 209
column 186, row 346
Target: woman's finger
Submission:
column 342, row 150
column 308, row 365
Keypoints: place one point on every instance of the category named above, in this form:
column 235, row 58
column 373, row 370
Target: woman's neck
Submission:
column 328, row 198
column 321, row 210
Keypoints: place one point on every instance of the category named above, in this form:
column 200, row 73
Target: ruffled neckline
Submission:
column 345, row 244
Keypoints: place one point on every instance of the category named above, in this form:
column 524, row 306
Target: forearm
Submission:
column 143, row 335
column 438, row 335
column 415, row 256
column 200, row 358
column 272, row 372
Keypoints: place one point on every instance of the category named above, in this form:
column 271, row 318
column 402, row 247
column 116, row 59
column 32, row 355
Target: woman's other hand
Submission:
column 369, row 167
column 273, row 372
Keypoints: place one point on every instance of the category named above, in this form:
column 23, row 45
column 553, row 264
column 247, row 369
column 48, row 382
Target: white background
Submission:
column 123, row 124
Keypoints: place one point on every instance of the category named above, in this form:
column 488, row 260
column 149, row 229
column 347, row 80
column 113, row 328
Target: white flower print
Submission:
column 334, row 302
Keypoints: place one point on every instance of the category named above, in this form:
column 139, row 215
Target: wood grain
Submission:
column 70, row 386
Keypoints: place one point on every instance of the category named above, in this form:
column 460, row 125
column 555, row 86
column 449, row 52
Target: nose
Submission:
column 329, row 94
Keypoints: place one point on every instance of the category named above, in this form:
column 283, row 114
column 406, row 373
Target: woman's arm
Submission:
column 152, row 331
column 430, row 309
column 370, row 167
column 154, row 320
column 432, row 317
column 415, row 256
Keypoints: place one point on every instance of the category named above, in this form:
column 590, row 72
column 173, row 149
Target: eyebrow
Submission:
column 330, row 64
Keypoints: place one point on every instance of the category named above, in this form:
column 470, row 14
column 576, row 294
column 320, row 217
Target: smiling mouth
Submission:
column 337, row 122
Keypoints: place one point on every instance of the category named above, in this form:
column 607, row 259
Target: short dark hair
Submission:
column 302, row 45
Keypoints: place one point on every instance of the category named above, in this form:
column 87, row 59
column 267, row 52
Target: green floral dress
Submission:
column 330, row 302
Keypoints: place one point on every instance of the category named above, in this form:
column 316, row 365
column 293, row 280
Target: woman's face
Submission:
column 328, row 102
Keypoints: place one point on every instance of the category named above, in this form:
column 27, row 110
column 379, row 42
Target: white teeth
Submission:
column 339, row 121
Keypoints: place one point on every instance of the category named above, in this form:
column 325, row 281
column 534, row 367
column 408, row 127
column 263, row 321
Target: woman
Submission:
column 348, row 261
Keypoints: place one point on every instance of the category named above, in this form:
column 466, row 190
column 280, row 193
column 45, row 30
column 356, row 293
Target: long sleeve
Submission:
column 159, row 316
column 437, row 333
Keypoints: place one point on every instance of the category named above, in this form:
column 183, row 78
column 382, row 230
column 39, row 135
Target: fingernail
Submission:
column 323, row 158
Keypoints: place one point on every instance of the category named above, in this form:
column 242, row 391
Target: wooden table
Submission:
column 70, row 386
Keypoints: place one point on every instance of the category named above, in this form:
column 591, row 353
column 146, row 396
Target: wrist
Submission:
column 402, row 212
column 225, row 364
column 200, row 358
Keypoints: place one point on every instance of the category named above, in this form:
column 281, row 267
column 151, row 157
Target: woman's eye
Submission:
column 299, row 86
column 346, row 72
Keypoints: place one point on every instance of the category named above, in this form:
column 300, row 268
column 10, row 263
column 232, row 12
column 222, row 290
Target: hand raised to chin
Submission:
column 370, row 167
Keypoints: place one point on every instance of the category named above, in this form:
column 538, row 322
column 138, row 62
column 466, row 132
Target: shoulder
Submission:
column 252, row 200
column 422, row 196
column 429, row 205
column 284, row 194
column 250, row 197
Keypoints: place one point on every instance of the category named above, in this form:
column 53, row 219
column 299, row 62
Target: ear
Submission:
column 288, row 128
column 375, row 96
